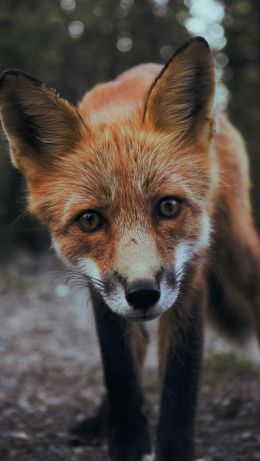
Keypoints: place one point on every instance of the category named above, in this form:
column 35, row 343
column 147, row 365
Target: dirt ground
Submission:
column 50, row 377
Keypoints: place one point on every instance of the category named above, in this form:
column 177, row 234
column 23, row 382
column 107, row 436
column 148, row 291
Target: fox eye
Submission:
column 89, row 221
column 169, row 207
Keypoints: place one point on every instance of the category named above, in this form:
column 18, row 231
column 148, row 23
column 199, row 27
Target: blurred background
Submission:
column 73, row 44
column 50, row 376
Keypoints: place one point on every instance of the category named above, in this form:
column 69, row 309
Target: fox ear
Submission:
column 180, row 100
column 39, row 125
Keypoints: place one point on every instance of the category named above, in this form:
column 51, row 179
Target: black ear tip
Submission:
column 197, row 42
column 17, row 73
column 199, row 47
column 200, row 40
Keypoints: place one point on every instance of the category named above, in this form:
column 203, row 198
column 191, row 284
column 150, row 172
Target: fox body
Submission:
column 145, row 192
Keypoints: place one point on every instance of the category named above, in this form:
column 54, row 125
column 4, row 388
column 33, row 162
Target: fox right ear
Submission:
column 40, row 126
column 181, row 99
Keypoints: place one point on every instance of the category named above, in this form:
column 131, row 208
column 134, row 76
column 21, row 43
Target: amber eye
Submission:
column 169, row 207
column 90, row 221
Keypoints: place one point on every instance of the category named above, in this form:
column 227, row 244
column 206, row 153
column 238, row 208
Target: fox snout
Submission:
column 139, row 285
column 143, row 295
column 142, row 298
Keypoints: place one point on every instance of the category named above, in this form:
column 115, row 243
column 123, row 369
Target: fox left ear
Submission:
column 40, row 126
column 180, row 100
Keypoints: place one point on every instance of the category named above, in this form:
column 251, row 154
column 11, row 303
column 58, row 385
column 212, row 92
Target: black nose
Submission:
column 142, row 295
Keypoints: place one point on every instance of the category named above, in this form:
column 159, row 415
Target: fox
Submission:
column 145, row 190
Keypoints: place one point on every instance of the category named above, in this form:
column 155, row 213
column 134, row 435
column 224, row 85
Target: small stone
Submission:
column 246, row 435
column 78, row 450
column 19, row 435
column 204, row 459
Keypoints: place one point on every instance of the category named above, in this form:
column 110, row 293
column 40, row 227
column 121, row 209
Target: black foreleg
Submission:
column 180, row 384
column 127, row 425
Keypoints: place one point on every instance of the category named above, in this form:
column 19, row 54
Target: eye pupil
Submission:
column 89, row 221
column 169, row 208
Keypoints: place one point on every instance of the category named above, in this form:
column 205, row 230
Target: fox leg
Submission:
column 91, row 431
column 180, row 346
column 127, row 425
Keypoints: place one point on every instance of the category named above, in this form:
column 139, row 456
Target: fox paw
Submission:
column 91, row 431
column 130, row 444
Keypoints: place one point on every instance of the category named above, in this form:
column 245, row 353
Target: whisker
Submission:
column 74, row 278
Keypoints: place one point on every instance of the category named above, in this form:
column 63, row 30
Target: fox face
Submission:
column 126, row 199
column 132, row 226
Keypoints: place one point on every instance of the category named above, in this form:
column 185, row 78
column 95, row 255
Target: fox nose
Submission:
column 143, row 295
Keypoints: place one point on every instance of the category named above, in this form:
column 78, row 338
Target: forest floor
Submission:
column 51, row 379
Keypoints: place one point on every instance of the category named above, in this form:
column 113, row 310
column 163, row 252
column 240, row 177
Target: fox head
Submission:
column 126, row 200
